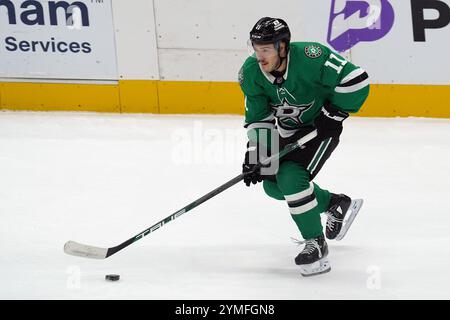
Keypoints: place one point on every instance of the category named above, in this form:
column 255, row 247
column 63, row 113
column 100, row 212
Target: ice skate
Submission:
column 341, row 213
column 313, row 258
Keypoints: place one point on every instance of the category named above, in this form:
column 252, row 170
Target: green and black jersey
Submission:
column 315, row 75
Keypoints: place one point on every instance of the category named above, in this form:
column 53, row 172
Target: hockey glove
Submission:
column 329, row 122
column 252, row 157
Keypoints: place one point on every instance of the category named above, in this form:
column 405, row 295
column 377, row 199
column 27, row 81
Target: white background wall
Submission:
column 134, row 26
column 205, row 40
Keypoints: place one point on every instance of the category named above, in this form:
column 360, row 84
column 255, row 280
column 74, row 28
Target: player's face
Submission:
column 267, row 56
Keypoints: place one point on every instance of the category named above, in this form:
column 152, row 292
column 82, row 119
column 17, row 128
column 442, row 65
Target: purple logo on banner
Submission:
column 352, row 21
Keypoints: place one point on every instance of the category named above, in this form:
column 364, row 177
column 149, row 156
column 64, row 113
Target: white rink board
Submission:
column 162, row 39
column 136, row 39
column 204, row 65
column 204, row 25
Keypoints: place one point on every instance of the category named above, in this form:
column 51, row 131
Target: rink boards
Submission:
column 177, row 56
column 172, row 97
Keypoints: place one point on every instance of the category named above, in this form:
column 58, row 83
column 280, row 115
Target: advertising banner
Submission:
column 57, row 39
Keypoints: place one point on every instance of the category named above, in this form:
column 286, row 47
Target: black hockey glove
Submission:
column 252, row 157
column 329, row 122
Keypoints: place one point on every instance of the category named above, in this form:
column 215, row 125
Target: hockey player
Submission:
column 290, row 90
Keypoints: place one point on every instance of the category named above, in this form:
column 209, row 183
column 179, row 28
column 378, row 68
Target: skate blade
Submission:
column 354, row 209
column 316, row 268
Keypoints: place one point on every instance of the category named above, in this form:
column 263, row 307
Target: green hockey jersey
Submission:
column 315, row 75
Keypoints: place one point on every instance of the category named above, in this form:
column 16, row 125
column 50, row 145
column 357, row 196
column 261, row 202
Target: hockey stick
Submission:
column 86, row 251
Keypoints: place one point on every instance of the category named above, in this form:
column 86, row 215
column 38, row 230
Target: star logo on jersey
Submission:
column 313, row 51
column 289, row 114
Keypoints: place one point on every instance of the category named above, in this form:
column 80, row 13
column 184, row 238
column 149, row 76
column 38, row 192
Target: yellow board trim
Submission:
column 400, row 100
column 138, row 96
column 200, row 97
column 59, row 97
column 187, row 97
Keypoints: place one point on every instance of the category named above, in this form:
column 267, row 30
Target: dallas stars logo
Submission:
column 289, row 114
column 313, row 51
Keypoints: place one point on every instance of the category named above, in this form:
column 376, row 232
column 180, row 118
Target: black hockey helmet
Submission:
column 270, row 30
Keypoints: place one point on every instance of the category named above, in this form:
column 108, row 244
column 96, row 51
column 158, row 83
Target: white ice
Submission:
column 100, row 179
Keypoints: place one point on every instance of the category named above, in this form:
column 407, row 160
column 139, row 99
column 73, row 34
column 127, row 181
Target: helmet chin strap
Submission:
column 279, row 75
column 280, row 58
column 280, row 62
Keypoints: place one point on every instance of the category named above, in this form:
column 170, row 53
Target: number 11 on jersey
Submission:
column 338, row 68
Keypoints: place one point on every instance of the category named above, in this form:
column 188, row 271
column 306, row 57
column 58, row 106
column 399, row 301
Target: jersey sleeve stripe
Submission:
column 356, row 80
column 355, row 73
column 352, row 88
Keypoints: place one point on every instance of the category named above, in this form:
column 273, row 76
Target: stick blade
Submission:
column 81, row 250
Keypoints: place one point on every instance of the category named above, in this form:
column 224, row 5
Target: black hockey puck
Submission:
column 112, row 277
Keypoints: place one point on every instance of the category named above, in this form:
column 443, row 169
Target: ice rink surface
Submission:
column 101, row 178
